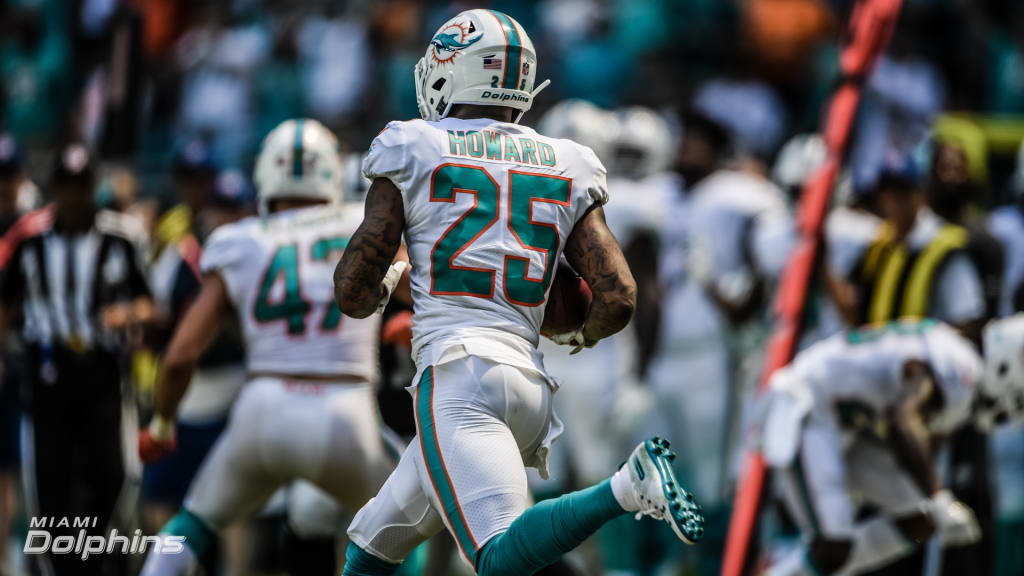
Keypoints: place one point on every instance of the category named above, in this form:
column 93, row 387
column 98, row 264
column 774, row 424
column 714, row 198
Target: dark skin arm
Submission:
column 593, row 252
column 194, row 334
column 909, row 435
column 370, row 251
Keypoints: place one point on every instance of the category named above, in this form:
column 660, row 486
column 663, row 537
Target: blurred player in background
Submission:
column 862, row 413
column 483, row 397
column 176, row 279
column 308, row 410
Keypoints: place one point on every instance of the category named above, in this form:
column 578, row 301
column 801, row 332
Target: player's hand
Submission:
column 954, row 521
column 574, row 339
column 387, row 285
column 157, row 440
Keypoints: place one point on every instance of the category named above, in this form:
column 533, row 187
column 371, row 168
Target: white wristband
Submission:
column 161, row 428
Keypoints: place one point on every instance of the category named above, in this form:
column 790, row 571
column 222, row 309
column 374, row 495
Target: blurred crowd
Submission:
column 704, row 112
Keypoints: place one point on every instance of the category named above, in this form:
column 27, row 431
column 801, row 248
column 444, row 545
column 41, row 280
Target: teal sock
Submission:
column 545, row 532
column 198, row 536
column 359, row 562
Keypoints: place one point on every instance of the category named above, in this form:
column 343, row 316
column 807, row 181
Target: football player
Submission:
column 487, row 207
column 308, row 410
column 850, row 427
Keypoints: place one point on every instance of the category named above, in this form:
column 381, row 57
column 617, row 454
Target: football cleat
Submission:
column 659, row 494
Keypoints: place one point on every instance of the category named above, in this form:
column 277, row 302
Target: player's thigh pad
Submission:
column 233, row 480
column 313, row 513
column 477, row 422
column 354, row 462
column 400, row 517
column 814, row 486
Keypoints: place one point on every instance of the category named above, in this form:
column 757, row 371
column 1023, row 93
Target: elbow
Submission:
column 349, row 304
column 621, row 303
column 354, row 311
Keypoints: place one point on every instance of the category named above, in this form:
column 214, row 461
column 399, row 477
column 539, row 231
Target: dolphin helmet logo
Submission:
column 450, row 40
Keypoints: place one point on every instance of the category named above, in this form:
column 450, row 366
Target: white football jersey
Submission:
column 488, row 209
column 279, row 272
column 863, row 369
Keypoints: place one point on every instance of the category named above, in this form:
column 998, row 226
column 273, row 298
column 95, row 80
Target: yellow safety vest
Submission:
column 900, row 281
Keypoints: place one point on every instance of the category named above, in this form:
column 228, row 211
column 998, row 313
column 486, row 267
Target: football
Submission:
column 568, row 302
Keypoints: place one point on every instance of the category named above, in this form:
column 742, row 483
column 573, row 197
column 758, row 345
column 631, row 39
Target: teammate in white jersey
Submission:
column 852, row 421
column 308, row 410
column 487, row 207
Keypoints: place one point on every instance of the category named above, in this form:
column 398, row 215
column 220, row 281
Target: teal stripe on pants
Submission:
column 436, row 468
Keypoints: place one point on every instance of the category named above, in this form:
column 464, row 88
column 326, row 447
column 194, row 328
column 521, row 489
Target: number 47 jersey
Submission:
column 279, row 273
column 488, row 208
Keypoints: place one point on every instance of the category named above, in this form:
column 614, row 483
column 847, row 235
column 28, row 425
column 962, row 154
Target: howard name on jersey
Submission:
column 488, row 208
column 279, row 273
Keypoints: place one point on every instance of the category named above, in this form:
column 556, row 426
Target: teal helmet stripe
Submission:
column 513, row 53
column 297, row 150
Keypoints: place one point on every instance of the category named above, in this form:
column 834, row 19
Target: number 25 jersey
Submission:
column 279, row 273
column 488, row 208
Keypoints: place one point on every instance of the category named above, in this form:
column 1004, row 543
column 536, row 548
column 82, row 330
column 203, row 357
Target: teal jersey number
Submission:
column 293, row 308
column 446, row 277
column 322, row 249
column 524, row 189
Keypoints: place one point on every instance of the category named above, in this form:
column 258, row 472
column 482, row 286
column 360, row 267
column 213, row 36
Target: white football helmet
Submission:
column 481, row 57
column 581, row 122
column 799, row 159
column 299, row 159
column 1003, row 386
column 643, row 143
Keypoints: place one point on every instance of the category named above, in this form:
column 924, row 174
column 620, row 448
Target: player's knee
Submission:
column 828, row 556
column 916, row 527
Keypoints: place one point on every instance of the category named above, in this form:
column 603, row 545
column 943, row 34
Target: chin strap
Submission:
column 533, row 95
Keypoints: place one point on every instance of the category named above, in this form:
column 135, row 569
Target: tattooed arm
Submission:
column 595, row 255
column 371, row 250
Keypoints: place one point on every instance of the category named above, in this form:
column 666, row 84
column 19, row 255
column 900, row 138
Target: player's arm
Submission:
column 195, row 333
column 358, row 279
column 909, row 435
column 593, row 252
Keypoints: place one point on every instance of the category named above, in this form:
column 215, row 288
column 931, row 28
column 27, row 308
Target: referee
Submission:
column 71, row 278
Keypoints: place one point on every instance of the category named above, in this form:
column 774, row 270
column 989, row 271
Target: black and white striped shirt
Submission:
column 61, row 282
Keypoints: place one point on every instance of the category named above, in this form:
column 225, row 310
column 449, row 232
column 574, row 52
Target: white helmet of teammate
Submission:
column 481, row 57
column 299, row 159
column 643, row 143
column 799, row 159
column 1003, row 385
column 583, row 123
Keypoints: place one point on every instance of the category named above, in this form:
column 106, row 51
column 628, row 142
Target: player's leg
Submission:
column 314, row 523
column 478, row 421
column 814, row 490
column 233, row 482
column 468, row 465
column 356, row 457
column 393, row 523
